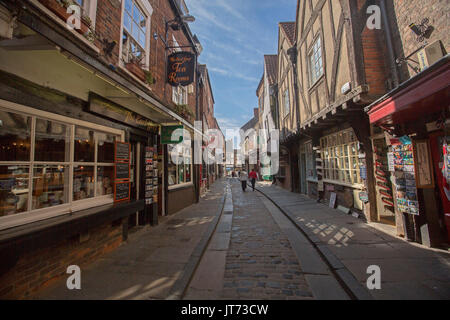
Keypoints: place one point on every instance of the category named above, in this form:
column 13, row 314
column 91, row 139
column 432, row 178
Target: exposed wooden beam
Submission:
column 29, row 43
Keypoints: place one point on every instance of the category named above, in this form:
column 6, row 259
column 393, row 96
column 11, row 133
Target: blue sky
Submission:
column 235, row 35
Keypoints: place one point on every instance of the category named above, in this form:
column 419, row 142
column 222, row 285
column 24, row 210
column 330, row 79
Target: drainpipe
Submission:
column 392, row 59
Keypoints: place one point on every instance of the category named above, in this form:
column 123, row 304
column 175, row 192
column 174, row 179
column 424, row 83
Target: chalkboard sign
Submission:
column 122, row 191
column 122, row 152
column 122, row 171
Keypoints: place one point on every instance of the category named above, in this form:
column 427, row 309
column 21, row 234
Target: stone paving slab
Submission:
column 408, row 270
column 153, row 261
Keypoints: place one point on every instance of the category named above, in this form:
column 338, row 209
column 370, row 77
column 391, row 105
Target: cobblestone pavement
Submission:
column 260, row 262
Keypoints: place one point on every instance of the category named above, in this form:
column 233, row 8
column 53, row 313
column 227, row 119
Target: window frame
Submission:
column 183, row 184
column 287, row 102
column 147, row 11
column 31, row 215
column 338, row 157
column 311, row 54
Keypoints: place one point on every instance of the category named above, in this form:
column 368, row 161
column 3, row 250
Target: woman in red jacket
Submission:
column 253, row 176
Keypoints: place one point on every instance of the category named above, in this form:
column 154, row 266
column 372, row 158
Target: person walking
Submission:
column 253, row 177
column 243, row 177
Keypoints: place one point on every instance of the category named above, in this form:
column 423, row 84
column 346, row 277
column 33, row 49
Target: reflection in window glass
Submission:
column 105, row 148
column 172, row 174
column 105, row 178
column 13, row 189
column 15, row 132
column 83, row 182
column 84, row 145
column 188, row 173
column 50, row 186
column 52, row 141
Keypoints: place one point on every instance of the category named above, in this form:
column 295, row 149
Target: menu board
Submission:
column 122, row 172
column 121, row 191
column 122, row 152
column 405, row 180
column 151, row 175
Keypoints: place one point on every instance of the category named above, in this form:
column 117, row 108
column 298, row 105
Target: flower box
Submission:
column 136, row 70
column 61, row 12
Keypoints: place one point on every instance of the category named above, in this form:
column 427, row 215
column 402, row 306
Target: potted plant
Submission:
column 134, row 65
column 149, row 77
column 183, row 110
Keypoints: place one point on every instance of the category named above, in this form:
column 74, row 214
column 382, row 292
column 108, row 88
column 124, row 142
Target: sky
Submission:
column 235, row 35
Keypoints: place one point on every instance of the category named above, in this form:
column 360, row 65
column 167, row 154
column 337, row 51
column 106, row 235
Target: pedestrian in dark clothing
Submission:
column 243, row 177
column 253, row 177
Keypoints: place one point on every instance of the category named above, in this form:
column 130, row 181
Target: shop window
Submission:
column 51, row 163
column 106, row 143
column 13, row 189
column 50, row 186
column 84, row 145
column 340, row 158
column 52, row 141
column 15, row 135
column 180, row 164
column 311, row 172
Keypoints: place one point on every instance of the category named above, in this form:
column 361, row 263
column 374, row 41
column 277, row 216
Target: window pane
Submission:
column 105, row 148
column 105, row 178
column 128, row 5
column 135, row 31
column 13, row 189
column 136, row 13
column 142, row 38
column 172, row 175
column 15, row 132
column 127, row 22
column 50, row 186
column 181, row 178
column 84, row 145
column 52, row 141
column 83, row 182
column 188, row 173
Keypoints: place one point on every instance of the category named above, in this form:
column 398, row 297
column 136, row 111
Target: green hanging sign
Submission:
column 167, row 134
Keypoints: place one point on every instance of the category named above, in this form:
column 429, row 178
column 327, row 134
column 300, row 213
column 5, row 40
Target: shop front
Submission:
column 342, row 172
column 416, row 126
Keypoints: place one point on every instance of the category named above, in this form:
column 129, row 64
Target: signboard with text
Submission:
column 180, row 68
column 167, row 136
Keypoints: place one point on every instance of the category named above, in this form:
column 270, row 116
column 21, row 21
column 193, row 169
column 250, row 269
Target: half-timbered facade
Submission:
column 341, row 68
column 288, row 112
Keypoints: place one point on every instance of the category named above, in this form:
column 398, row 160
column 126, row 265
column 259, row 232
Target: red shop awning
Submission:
column 426, row 93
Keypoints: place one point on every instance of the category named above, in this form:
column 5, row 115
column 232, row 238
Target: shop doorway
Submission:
column 137, row 192
column 302, row 165
column 383, row 184
column 295, row 173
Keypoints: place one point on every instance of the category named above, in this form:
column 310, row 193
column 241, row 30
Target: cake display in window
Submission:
column 13, row 189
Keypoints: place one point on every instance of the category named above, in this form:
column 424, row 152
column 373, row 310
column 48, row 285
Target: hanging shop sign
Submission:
column 180, row 68
column 167, row 136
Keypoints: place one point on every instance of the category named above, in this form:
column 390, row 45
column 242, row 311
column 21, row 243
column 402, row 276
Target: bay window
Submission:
column 340, row 157
column 50, row 161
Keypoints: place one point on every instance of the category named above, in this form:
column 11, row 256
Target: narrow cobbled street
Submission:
column 235, row 245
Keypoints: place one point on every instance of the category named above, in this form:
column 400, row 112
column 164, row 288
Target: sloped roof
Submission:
column 250, row 125
column 289, row 31
column 271, row 63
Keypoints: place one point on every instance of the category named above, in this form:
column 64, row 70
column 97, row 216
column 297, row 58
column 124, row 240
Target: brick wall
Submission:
column 107, row 27
column 43, row 267
column 405, row 12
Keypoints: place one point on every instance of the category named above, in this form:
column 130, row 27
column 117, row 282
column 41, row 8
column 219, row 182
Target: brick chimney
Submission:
column 256, row 112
